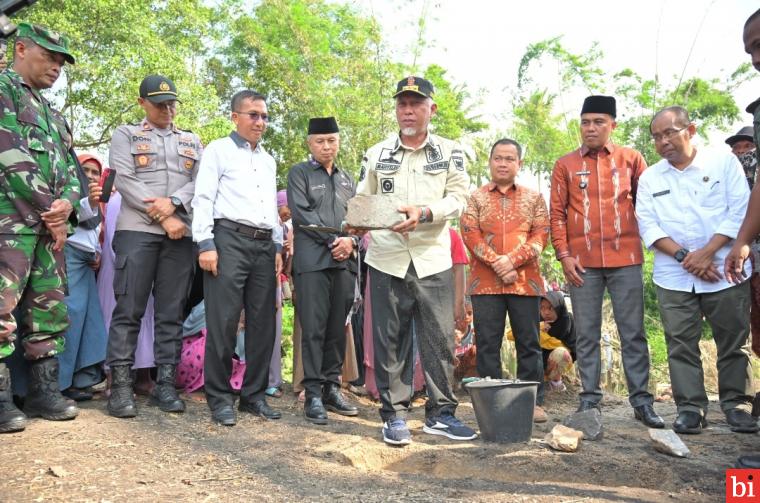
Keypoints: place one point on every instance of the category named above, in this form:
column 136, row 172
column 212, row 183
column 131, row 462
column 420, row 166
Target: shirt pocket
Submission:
column 712, row 196
column 315, row 194
column 188, row 158
column 433, row 181
column 37, row 139
column 145, row 156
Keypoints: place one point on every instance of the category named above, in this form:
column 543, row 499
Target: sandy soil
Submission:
column 161, row 457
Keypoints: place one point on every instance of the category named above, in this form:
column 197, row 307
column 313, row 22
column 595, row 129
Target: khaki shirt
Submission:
column 432, row 175
column 151, row 162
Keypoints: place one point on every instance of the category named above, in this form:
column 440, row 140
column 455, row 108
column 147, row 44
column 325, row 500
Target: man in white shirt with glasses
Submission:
column 689, row 209
column 240, row 242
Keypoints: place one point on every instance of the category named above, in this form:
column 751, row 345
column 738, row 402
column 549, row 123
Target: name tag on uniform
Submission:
column 321, row 186
column 661, row 193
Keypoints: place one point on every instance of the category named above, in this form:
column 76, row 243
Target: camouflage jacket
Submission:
column 36, row 167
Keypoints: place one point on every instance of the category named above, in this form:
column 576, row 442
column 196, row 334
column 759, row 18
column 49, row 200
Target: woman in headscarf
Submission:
column 556, row 338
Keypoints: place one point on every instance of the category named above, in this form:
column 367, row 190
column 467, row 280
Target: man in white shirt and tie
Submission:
column 689, row 208
column 235, row 224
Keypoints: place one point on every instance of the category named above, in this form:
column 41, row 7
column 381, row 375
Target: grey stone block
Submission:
column 374, row 212
column 668, row 442
column 589, row 422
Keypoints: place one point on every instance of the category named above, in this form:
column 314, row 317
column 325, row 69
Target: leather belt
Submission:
column 246, row 230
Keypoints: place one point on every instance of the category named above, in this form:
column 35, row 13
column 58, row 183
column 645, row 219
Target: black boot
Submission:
column 44, row 397
column 11, row 419
column 165, row 394
column 121, row 403
column 334, row 401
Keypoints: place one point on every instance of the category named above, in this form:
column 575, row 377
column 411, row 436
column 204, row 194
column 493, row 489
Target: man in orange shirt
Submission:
column 596, row 237
column 505, row 227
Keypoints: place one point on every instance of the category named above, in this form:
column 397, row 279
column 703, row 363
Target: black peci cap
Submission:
column 323, row 125
column 598, row 104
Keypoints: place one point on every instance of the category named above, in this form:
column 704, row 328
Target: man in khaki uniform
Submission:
column 410, row 268
column 156, row 165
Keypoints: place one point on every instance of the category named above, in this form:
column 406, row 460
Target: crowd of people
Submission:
column 184, row 266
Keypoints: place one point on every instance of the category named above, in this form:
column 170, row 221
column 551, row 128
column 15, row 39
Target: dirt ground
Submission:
column 162, row 457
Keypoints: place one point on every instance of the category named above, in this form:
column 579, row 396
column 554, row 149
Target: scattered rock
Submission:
column 374, row 212
column 588, row 421
column 564, row 439
column 58, row 471
column 668, row 442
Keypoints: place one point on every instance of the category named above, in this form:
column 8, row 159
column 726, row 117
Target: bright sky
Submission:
column 481, row 42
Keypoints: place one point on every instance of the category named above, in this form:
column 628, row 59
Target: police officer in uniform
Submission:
column 38, row 192
column 324, row 274
column 410, row 267
column 156, row 166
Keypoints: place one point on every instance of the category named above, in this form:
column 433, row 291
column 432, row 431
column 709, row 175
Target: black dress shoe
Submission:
column 647, row 415
column 260, row 408
column 750, row 461
column 224, row 415
column 689, row 422
column 76, row 394
column 336, row 402
column 314, row 411
column 587, row 405
column 741, row 421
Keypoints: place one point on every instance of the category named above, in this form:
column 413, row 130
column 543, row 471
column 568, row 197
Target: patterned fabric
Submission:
column 190, row 367
column 36, row 166
column 592, row 206
column 32, row 277
column 515, row 224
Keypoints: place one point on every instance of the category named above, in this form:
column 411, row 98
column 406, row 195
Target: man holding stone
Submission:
column 410, row 267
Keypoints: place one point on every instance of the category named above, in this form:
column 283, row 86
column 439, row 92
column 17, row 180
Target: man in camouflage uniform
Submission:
column 38, row 191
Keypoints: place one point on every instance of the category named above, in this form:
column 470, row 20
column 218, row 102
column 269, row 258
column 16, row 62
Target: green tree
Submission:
column 117, row 43
column 311, row 59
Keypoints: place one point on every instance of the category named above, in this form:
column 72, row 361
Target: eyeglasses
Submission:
column 668, row 134
column 255, row 116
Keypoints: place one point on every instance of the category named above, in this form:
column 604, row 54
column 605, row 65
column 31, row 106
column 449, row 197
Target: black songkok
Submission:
column 599, row 105
column 323, row 125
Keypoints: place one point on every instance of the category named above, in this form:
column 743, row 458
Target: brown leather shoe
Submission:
column 539, row 414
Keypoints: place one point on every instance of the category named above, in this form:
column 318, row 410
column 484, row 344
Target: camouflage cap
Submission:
column 50, row 40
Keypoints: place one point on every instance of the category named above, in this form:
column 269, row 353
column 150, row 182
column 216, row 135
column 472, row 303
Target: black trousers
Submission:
column 429, row 302
column 148, row 262
column 489, row 318
column 246, row 281
column 324, row 300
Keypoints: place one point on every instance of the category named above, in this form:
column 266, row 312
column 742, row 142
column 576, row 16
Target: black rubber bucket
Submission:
column 504, row 409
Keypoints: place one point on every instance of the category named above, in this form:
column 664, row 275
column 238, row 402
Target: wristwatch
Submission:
column 680, row 255
column 177, row 202
column 423, row 215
